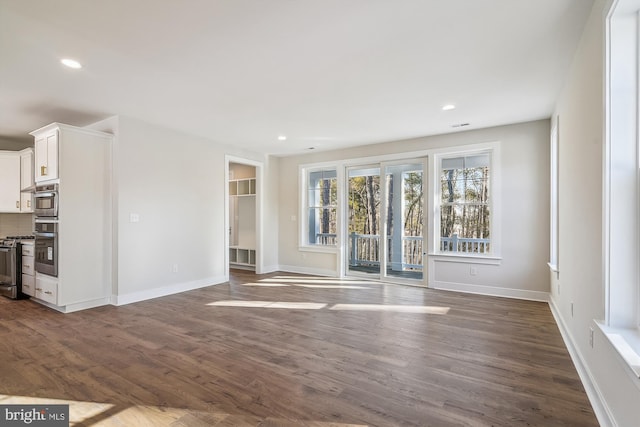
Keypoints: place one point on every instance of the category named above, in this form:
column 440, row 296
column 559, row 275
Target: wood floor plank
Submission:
column 179, row 361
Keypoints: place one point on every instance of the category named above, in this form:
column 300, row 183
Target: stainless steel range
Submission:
column 11, row 266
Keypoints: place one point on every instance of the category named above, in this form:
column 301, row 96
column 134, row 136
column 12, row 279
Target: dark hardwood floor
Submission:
column 288, row 350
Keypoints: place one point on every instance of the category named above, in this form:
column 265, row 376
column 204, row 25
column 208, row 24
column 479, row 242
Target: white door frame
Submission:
column 382, row 164
column 259, row 209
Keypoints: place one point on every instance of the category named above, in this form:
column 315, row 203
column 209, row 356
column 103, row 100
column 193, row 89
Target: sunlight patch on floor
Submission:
column 269, row 304
column 393, row 308
column 316, row 280
column 420, row 309
column 298, row 285
column 266, row 285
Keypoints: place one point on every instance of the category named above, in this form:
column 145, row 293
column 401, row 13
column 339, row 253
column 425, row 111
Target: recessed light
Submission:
column 448, row 107
column 71, row 63
column 282, row 138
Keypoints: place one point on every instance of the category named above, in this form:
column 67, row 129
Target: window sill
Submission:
column 626, row 341
column 319, row 249
column 470, row 259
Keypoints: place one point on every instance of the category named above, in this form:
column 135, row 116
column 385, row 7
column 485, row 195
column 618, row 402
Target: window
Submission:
column 465, row 210
column 553, row 250
column 322, row 202
column 621, row 185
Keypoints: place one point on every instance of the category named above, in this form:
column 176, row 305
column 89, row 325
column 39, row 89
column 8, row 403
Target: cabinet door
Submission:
column 46, row 289
column 26, row 169
column 46, row 156
column 28, row 285
column 26, row 202
column 10, row 179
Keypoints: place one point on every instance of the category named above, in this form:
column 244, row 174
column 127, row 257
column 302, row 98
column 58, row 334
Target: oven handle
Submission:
column 5, row 249
column 45, row 194
column 39, row 234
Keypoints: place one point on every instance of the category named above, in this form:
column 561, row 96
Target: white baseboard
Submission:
column 166, row 290
column 306, row 270
column 491, row 291
column 70, row 308
column 603, row 414
column 270, row 269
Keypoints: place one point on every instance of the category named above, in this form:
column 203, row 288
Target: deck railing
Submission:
column 463, row 244
column 365, row 249
column 326, row 239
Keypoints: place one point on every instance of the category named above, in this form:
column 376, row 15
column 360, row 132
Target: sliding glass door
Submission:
column 363, row 231
column 404, row 220
column 386, row 199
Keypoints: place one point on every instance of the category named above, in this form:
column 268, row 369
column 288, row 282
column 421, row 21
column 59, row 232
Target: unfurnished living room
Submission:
column 319, row 213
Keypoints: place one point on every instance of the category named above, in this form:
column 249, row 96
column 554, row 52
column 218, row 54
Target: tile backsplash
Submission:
column 15, row 224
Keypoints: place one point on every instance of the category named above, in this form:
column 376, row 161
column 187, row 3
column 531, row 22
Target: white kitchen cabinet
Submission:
column 46, row 289
column 28, row 271
column 81, row 164
column 46, row 154
column 10, row 179
column 27, row 180
column 29, row 285
column 26, row 202
column 26, row 170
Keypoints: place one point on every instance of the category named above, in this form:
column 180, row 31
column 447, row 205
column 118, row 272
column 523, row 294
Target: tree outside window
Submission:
column 322, row 202
column 464, row 204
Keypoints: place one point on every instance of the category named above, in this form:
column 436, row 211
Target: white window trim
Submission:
column 621, row 189
column 432, row 176
column 303, row 228
column 495, row 205
column 554, row 200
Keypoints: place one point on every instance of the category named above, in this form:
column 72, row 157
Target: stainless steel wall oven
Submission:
column 45, row 201
column 46, row 251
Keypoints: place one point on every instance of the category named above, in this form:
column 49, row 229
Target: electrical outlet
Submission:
column 134, row 217
column 591, row 337
column 174, row 268
column 473, row 271
column 571, row 309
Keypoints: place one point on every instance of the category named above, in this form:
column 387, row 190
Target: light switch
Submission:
column 134, row 217
column 293, row 218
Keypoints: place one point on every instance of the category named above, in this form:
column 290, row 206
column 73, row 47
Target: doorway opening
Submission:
column 243, row 215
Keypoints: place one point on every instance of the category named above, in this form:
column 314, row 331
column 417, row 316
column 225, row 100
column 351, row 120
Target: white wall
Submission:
column 525, row 210
column 580, row 111
column 175, row 183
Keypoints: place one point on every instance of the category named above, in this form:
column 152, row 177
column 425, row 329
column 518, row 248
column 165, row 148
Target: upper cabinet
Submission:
column 26, row 170
column 10, row 179
column 27, row 183
column 46, row 154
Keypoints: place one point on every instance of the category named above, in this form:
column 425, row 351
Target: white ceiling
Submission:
column 326, row 73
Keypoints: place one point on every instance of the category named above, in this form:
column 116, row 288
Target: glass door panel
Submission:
column 364, row 221
column 404, row 204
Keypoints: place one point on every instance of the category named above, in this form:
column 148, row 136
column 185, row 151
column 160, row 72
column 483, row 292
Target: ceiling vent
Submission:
column 459, row 125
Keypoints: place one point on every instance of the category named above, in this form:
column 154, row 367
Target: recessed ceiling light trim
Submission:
column 282, row 137
column 448, row 107
column 71, row 63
